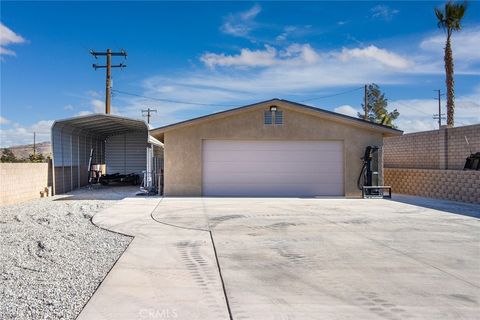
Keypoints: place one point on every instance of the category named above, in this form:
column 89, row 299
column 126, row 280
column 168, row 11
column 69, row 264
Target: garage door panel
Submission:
column 275, row 167
column 259, row 145
column 276, row 178
column 273, row 156
column 272, row 168
column 272, row 190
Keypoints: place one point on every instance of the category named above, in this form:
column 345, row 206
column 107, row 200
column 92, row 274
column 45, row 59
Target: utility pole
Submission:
column 365, row 116
column 109, row 54
column 34, row 140
column 440, row 115
column 147, row 113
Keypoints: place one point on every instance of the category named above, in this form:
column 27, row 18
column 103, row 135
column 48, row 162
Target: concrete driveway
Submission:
column 217, row 258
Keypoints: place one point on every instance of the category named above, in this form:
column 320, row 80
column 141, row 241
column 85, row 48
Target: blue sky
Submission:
column 228, row 54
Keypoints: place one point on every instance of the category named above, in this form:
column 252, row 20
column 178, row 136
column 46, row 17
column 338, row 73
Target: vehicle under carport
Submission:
column 113, row 144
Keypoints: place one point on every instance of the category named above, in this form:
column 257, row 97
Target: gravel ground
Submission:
column 52, row 258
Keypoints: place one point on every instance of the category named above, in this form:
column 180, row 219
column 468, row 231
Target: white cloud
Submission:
column 98, row 106
column 246, row 58
column 465, row 44
column 8, row 37
column 417, row 114
column 383, row 12
column 6, row 52
column 16, row 134
column 300, row 53
column 371, row 52
column 287, row 31
column 4, row 120
column 295, row 54
column 241, row 24
column 347, row 110
column 68, row 107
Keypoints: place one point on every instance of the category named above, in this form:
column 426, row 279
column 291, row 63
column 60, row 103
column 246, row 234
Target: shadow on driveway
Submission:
column 462, row 208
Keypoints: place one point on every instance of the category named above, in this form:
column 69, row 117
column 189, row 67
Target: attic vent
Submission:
column 268, row 117
column 278, row 117
column 273, row 117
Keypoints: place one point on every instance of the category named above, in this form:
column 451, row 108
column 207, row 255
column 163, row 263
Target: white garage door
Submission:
column 272, row 168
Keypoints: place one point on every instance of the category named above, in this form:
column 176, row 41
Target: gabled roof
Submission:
column 334, row 116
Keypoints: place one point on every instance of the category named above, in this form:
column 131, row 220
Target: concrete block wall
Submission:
column 433, row 183
column 457, row 148
column 436, row 149
column 412, row 150
column 430, row 163
column 23, row 181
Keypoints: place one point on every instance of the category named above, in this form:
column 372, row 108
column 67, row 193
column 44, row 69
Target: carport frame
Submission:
column 95, row 129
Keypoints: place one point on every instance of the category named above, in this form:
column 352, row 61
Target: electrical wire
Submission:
column 235, row 105
column 421, row 111
column 223, row 105
column 174, row 101
column 332, row 95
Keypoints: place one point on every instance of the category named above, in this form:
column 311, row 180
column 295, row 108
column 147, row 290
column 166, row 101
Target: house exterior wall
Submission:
column 183, row 146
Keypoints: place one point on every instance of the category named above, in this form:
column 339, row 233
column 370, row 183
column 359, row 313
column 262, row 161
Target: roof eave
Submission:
column 386, row 131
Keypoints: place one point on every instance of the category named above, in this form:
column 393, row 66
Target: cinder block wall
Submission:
column 430, row 163
column 437, row 149
column 412, row 150
column 441, row 184
column 23, row 181
column 458, row 149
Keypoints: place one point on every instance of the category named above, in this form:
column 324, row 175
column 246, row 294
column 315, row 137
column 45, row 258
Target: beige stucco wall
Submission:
column 183, row 146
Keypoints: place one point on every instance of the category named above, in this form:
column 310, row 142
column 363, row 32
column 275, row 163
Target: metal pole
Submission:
column 439, row 110
column 365, row 103
column 107, row 93
column 34, row 144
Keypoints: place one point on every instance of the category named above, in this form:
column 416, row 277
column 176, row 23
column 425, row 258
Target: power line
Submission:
column 421, row 111
column 408, row 106
column 174, row 101
column 332, row 95
column 222, row 105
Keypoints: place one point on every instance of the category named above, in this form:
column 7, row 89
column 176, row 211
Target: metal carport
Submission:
column 122, row 144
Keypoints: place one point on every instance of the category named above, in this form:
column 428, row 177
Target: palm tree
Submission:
column 450, row 20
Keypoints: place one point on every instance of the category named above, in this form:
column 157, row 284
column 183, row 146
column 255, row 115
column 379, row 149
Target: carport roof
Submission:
column 387, row 131
column 102, row 124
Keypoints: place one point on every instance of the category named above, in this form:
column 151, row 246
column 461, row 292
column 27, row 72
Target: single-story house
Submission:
column 271, row 148
column 116, row 144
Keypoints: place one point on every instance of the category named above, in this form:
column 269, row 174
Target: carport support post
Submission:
column 107, row 90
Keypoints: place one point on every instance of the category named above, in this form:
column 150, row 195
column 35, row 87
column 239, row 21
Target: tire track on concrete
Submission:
column 213, row 246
